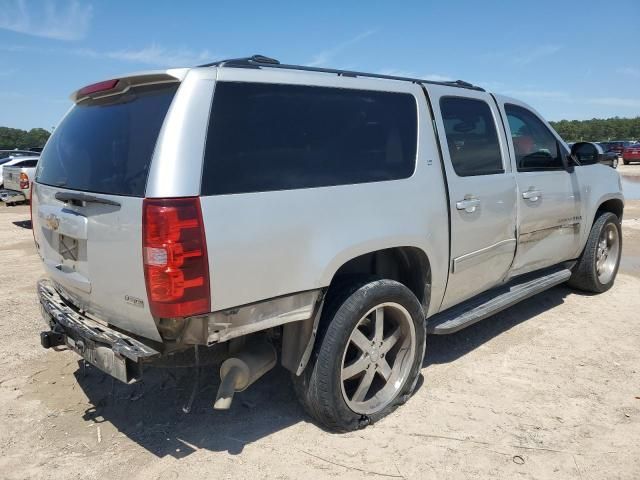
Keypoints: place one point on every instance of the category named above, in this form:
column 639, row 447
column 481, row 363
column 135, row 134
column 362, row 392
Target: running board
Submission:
column 495, row 300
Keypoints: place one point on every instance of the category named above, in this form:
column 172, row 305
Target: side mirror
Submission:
column 586, row 153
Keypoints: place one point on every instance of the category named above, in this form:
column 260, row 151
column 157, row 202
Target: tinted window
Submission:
column 266, row 137
column 471, row 136
column 27, row 163
column 106, row 145
column 536, row 148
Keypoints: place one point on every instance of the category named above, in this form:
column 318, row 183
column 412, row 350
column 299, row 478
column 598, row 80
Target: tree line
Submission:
column 598, row 129
column 11, row 138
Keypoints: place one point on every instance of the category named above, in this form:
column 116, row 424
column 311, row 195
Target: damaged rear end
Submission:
column 88, row 208
column 118, row 223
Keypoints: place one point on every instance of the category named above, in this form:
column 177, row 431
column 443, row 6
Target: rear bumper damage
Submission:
column 115, row 353
column 242, row 363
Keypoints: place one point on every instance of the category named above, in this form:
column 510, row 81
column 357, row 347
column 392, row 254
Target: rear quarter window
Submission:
column 265, row 137
column 106, row 145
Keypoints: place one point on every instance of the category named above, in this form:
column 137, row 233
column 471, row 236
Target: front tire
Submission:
column 597, row 267
column 368, row 358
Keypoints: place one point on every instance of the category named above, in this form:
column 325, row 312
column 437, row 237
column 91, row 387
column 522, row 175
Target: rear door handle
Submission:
column 469, row 205
column 532, row 195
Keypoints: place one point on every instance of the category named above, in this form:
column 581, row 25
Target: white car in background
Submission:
column 16, row 180
column 15, row 161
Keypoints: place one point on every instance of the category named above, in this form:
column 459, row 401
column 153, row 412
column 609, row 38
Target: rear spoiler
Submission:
column 119, row 85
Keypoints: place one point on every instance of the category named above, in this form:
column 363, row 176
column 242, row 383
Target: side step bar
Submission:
column 491, row 302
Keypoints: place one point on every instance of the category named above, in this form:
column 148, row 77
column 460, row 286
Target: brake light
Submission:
column 97, row 87
column 24, row 181
column 176, row 266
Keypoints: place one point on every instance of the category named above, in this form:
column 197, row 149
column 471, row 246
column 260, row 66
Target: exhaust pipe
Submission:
column 237, row 373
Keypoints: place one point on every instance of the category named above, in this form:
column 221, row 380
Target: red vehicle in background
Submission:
column 617, row 146
column 631, row 154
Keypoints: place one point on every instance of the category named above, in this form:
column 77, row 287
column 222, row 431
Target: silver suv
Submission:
column 323, row 219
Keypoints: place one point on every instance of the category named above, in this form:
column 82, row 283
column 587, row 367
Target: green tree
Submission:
column 598, row 129
column 11, row 138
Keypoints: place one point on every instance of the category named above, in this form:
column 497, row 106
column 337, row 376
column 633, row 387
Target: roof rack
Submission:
column 260, row 61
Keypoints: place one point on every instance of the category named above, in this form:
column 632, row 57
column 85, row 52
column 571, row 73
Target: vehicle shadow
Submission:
column 150, row 412
column 448, row 348
column 23, row 224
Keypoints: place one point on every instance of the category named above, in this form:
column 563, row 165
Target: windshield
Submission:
column 106, row 145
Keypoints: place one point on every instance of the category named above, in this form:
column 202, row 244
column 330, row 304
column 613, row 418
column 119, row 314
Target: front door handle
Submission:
column 469, row 204
column 532, row 195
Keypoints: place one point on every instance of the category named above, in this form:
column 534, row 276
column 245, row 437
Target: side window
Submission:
column 265, row 137
column 536, row 148
column 471, row 136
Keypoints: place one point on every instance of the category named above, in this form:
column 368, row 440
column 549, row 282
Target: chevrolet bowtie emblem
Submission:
column 52, row 221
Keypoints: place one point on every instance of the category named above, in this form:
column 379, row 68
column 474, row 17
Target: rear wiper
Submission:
column 83, row 197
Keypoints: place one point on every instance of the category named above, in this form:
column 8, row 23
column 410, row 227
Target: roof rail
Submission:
column 255, row 61
column 259, row 61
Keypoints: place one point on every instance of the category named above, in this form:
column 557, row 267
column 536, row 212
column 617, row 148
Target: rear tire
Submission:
column 597, row 267
column 625, row 162
column 615, row 163
column 368, row 356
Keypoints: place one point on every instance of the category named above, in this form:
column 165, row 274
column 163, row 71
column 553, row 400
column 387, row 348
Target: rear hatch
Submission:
column 88, row 198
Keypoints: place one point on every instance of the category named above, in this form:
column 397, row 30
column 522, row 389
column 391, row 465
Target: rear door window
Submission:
column 471, row 136
column 265, row 137
column 106, row 145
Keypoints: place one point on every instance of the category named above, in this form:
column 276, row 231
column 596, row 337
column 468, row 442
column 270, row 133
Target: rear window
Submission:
column 27, row 164
column 106, row 145
column 265, row 137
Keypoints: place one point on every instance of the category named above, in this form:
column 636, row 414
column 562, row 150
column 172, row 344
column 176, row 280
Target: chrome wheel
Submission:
column 378, row 358
column 607, row 253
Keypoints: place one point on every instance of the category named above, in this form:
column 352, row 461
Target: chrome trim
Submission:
column 479, row 256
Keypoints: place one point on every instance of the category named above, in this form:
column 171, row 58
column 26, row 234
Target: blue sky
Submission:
column 569, row 59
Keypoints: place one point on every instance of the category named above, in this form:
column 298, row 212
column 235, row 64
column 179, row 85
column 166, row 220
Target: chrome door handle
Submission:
column 532, row 195
column 469, row 205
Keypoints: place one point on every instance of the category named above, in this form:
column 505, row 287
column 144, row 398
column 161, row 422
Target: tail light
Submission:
column 176, row 266
column 24, row 181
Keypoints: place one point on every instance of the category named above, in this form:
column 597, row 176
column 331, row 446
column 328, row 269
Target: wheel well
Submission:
column 407, row 265
column 614, row 206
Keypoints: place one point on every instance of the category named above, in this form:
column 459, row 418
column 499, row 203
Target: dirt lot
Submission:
column 547, row 389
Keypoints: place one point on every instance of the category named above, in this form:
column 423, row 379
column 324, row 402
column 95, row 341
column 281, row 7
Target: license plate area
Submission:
column 103, row 357
column 68, row 247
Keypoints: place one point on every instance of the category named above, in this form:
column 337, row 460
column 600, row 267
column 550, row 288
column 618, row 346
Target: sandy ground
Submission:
column 632, row 170
column 547, row 389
